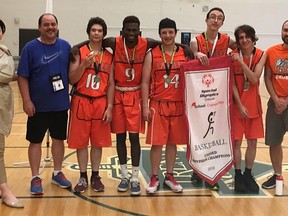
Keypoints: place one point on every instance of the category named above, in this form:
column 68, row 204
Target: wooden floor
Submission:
column 195, row 200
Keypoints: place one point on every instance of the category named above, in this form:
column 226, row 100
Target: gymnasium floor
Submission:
column 195, row 200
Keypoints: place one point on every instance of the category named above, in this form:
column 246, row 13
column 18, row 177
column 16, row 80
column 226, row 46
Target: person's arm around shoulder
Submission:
column 107, row 117
column 280, row 104
column 198, row 55
column 152, row 43
column 145, row 86
column 187, row 51
column 109, row 42
column 232, row 44
column 28, row 105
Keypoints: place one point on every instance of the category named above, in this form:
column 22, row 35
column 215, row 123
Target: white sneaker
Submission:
column 172, row 184
column 153, row 185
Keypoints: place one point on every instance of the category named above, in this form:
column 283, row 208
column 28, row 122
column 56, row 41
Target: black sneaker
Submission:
column 239, row 183
column 214, row 187
column 270, row 183
column 250, row 183
column 195, row 179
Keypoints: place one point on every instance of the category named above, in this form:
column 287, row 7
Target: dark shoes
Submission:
column 195, row 179
column 214, row 187
column 239, row 183
column 96, row 184
column 270, row 183
column 245, row 183
column 250, row 183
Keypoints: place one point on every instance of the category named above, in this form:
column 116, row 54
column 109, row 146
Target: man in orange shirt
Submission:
column 211, row 44
column 276, row 73
column 247, row 66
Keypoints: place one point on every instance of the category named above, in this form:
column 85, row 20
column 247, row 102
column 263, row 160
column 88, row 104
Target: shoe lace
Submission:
column 271, row 177
column 124, row 181
column 37, row 182
column 134, row 184
column 61, row 176
column 153, row 180
column 172, row 180
column 82, row 181
column 96, row 179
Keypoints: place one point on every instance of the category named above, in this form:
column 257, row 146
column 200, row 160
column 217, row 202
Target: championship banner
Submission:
column 208, row 98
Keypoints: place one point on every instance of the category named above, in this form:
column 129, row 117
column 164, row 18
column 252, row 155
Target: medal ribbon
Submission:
column 127, row 55
column 250, row 63
column 168, row 69
column 207, row 45
column 97, row 67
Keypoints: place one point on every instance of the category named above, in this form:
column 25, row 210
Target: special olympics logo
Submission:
column 207, row 80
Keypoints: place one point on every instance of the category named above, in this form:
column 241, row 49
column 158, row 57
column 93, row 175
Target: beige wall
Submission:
column 265, row 16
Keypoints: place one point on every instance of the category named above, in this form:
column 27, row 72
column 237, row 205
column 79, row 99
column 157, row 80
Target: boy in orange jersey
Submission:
column 165, row 114
column 247, row 66
column 129, row 52
column 91, row 105
column 276, row 73
column 211, row 44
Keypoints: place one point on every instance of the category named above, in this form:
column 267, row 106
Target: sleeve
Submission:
column 7, row 67
column 23, row 68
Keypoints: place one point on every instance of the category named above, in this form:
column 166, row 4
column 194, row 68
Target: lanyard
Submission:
column 207, row 45
column 127, row 56
column 168, row 70
column 97, row 67
column 250, row 63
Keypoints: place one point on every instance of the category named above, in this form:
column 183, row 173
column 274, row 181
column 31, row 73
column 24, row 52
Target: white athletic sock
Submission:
column 135, row 173
column 56, row 172
column 124, row 171
column 36, row 176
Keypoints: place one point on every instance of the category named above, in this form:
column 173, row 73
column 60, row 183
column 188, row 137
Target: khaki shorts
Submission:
column 276, row 125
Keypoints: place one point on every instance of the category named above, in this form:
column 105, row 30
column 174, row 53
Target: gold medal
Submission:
column 96, row 79
column 168, row 80
column 246, row 86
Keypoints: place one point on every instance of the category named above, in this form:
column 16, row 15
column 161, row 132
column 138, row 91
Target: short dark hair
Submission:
column 40, row 18
column 217, row 9
column 284, row 24
column 96, row 20
column 2, row 26
column 248, row 30
column 131, row 19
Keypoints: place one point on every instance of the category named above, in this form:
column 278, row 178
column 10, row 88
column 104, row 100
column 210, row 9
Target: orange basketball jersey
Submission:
column 221, row 47
column 92, row 84
column 128, row 71
column 250, row 98
column 160, row 89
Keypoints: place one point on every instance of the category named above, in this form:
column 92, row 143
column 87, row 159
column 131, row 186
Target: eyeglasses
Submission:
column 218, row 18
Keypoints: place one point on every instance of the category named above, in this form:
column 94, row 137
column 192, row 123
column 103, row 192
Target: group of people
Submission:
column 140, row 82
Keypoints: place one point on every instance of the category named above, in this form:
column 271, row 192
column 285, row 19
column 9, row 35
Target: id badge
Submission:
column 57, row 82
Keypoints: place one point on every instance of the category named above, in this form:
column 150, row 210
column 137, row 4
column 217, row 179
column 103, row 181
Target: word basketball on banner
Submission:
column 208, row 98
